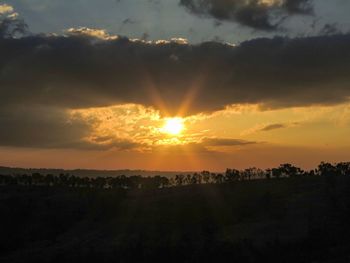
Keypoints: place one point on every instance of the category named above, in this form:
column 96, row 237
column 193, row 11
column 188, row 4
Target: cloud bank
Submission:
column 257, row 14
column 85, row 70
column 42, row 77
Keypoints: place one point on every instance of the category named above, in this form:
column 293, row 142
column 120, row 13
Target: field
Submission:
column 282, row 220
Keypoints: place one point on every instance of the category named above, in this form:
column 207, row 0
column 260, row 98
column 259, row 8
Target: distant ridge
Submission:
column 88, row 172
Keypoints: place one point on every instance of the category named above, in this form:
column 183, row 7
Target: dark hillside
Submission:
column 283, row 220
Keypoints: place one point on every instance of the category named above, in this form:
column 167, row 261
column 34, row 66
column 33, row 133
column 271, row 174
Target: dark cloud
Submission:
column 330, row 29
column 205, row 146
column 128, row 21
column 77, row 71
column 39, row 127
column 225, row 142
column 298, row 6
column 274, row 127
column 47, row 127
column 115, row 143
column 12, row 26
column 185, row 148
column 257, row 14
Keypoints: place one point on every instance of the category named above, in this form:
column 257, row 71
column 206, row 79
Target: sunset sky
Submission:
column 174, row 84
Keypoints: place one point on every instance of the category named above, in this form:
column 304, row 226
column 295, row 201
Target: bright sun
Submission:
column 173, row 126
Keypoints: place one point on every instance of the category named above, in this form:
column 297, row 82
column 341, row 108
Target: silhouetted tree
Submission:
column 179, row 179
column 205, row 176
column 49, row 179
column 188, row 179
column 232, row 175
column 289, row 170
column 276, row 172
column 268, row 173
column 343, row 168
column 327, row 169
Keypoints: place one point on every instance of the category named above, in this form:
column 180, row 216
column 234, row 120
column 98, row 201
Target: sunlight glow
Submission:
column 173, row 126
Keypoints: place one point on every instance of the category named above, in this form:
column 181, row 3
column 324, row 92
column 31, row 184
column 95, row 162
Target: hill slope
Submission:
column 285, row 220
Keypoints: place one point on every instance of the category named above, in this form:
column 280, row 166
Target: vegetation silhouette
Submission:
column 282, row 214
column 205, row 177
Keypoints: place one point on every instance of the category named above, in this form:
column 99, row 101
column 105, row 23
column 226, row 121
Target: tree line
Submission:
column 205, row 177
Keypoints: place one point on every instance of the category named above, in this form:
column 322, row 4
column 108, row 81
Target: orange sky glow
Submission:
column 239, row 136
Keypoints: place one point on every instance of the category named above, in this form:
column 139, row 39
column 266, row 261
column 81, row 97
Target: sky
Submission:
column 174, row 84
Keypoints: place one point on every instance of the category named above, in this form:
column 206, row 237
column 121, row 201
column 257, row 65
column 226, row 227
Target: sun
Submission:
column 173, row 126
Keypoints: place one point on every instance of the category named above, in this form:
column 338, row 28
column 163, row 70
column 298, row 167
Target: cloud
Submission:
column 330, row 29
column 90, row 32
column 72, row 71
column 257, row 14
column 39, row 127
column 181, row 149
column 276, row 126
column 205, row 146
column 128, row 21
column 44, row 78
column 268, row 127
column 225, row 142
column 50, row 127
column 273, row 127
column 135, row 123
column 5, row 8
column 10, row 24
column 123, row 128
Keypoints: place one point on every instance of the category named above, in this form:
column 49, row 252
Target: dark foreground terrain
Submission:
column 283, row 220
